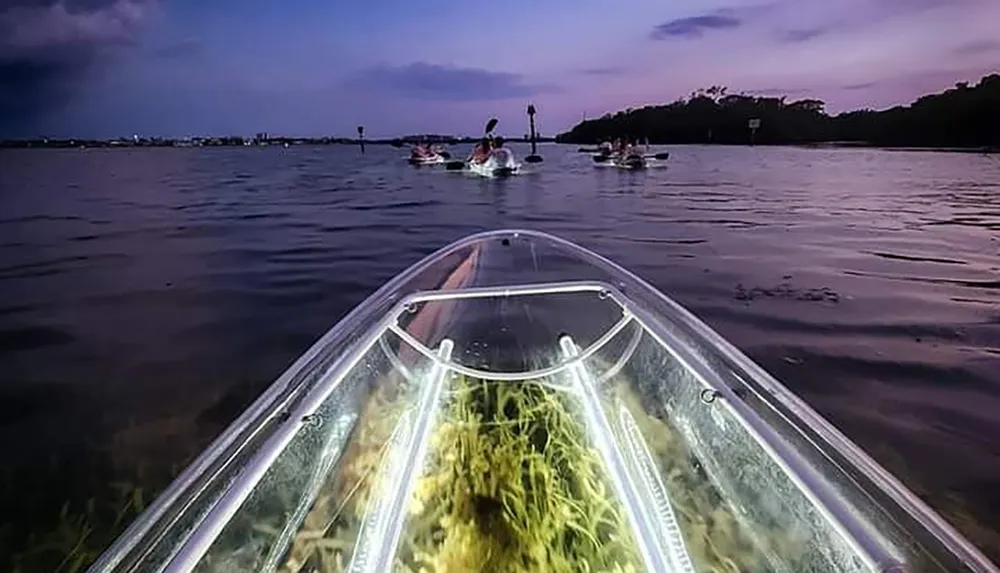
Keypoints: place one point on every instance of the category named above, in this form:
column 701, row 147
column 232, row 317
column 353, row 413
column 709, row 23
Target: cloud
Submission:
column 778, row 92
column 798, row 36
column 695, row 26
column 445, row 83
column 604, row 72
column 861, row 86
column 29, row 86
column 907, row 6
column 978, row 47
column 33, row 24
column 48, row 46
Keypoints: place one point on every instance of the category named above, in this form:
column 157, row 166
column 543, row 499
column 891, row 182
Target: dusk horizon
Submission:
column 109, row 68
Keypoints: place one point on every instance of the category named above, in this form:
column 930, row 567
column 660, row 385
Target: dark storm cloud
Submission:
column 435, row 82
column 29, row 86
column 47, row 47
column 695, row 26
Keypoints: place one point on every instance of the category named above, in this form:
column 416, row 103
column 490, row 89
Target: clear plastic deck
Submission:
column 517, row 403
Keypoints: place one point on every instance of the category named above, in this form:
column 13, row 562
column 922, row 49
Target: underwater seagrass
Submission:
column 514, row 485
column 716, row 541
column 511, row 483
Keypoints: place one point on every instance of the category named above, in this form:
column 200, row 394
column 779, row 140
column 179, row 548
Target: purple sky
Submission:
column 309, row 67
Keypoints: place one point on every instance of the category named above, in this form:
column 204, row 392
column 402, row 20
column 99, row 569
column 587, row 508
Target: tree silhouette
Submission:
column 962, row 116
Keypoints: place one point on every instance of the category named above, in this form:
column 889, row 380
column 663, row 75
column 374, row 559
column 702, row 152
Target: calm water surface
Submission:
column 147, row 296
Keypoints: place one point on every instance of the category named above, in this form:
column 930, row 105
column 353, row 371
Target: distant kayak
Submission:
column 632, row 161
column 426, row 160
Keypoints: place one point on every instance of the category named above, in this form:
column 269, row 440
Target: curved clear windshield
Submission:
column 517, row 403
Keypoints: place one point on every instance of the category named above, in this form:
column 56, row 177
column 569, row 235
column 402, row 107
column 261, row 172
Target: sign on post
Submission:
column 754, row 125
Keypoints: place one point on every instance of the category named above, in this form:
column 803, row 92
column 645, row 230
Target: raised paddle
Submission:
column 534, row 157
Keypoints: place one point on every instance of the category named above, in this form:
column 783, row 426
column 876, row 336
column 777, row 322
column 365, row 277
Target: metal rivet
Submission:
column 708, row 395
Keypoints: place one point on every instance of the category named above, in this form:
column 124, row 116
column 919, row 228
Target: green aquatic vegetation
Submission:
column 330, row 529
column 514, row 485
column 79, row 535
column 715, row 539
column 511, row 483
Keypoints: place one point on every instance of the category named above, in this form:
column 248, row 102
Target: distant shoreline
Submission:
column 234, row 141
column 301, row 142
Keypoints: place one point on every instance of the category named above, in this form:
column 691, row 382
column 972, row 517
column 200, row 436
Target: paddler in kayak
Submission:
column 500, row 154
column 420, row 150
column 621, row 146
column 605, row 149
column 481, row 152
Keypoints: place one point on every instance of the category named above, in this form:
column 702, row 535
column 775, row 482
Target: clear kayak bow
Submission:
column 514, row 402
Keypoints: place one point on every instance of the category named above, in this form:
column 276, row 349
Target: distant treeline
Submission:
column 963, row 116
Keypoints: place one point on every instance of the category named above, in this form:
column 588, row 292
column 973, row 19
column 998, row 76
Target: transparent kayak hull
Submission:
column 425, row 160
column 493, row 169
column 630, row 162
column 514, row 402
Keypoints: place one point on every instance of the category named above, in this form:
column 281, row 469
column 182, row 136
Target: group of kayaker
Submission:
column 489, row 158
column 481, row 153
column 618, row 147
column 624, row 153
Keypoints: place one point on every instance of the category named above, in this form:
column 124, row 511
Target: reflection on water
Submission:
column 146, row 296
